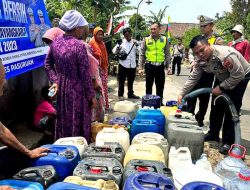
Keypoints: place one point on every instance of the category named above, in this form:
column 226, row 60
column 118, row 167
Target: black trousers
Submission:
column 123, row 74
column 157, row 74
column 206, row 81
column 176, row 61
column 220, row 111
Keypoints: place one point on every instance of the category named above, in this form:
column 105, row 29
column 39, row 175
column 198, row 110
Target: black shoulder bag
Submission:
column 123, row 55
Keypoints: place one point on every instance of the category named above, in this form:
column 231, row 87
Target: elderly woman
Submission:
column 67, row 66
column 100, row 53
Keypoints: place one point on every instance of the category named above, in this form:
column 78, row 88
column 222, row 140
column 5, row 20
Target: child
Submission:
column 45, row 112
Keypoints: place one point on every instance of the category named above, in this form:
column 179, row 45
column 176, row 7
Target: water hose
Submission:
column 229, row 103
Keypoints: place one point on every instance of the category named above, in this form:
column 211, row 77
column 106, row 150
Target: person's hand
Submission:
column 179, row 99
column 94, row 103
column 6, row 188
column 38, row 152
column 228, row 64
column 217, row 91
column 54, row 87
column 169, row 71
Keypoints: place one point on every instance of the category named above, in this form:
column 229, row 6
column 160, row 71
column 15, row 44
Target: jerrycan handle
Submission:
column 231, row 153
column 155, row 183
column 23, row 173
column 67, row 141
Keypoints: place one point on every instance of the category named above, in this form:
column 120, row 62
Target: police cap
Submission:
column 204, row 20
column 92, row 25
column 40, row 13
column 30, row 12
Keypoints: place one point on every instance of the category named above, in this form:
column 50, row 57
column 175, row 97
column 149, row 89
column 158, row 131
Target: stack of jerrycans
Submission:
column 148, row 120
column 182, row 131
column 101, row 161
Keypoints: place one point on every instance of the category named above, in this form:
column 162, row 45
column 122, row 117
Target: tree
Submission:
column 188, row 36
column 141, row 25
column 159, row 16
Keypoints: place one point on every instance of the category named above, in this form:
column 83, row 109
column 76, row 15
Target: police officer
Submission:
column 91, row 30
column 239, row 42
column 206, row 27
column 155, row 54
column 127, row 67
column 34, row 30
column 43, row 27
column 230, row 69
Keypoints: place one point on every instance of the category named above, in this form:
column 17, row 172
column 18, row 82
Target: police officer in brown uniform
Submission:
column 206, row 81
column 230, row 70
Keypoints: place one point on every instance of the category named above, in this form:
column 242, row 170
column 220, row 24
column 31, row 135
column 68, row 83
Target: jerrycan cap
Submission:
column 237, row 151
column 69, row 154
column 142, row 169
column 96, row 170
column 244, row 174
column 178, row 113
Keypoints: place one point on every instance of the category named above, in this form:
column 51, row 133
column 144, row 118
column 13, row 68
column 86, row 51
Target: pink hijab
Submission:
column 53, row 33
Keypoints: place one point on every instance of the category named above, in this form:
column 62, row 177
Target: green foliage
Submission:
column 157, row 17
column 238, row 15
column 141, row 25
column 188, row 36
column 97, row 11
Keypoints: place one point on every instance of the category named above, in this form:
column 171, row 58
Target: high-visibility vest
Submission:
column 155, row 49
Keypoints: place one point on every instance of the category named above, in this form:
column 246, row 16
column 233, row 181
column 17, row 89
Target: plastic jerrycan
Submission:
column 153, row 139
column 148, row 181
column 19, row 184
column 179, row 157
column 204, row 163
column 233, row 163
column 201, row 186
column 125, row 108
column 119, row 135
column 68, row 186
column 79, row 142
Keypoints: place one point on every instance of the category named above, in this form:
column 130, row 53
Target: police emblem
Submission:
column 202, row 18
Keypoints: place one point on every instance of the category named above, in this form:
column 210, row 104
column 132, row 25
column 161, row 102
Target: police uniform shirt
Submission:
column 142, row 58
column 228, row 76
column 130, row 61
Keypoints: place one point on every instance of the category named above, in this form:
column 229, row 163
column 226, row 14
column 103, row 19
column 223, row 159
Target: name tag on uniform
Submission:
column 161, row 40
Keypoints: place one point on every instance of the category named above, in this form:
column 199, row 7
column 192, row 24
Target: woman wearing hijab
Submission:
column 67, row 66
column 100, row 53
column 51, row 34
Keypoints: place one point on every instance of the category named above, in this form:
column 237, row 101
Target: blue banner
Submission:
column 22, row 25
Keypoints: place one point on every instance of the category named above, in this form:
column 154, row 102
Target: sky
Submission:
column 183, row 10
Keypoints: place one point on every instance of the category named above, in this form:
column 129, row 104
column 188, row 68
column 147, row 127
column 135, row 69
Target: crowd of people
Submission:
column 77, row 67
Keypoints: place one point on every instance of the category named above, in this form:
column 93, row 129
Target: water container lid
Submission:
column 237, row 151
column 96, row 170
column 245, row 174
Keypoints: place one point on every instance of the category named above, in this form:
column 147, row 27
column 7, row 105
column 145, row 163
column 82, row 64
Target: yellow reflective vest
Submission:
column 155, row 49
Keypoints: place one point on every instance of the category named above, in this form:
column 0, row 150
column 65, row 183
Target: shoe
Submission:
column 209, row 137
column 224, row 149
column 177, row 74
column 121, row 98
column 199, row 121
column 134, row 96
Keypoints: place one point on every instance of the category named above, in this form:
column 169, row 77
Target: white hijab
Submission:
column 72, row 19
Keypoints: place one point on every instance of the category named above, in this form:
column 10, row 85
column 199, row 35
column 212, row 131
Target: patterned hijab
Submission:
column 99, row 49
column 53, row 33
